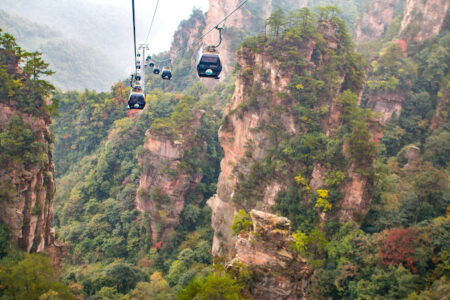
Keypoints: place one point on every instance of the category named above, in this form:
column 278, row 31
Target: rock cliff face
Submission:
column 246, row 21
column 188, row 31
column 423, row 20
column 162, row 184
column 267, row 251
column 216, row 12
column 387, row 103
column 375, row 19
column 257, row 116
column 26, row 192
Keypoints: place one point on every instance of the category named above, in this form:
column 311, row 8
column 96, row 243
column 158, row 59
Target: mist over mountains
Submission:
column 77, row 40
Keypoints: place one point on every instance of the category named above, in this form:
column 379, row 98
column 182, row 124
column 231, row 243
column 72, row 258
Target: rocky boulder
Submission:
column 268, row 251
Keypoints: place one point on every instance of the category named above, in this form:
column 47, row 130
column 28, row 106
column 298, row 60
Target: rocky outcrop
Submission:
column 268, row 252
column 216, row 12
column 374, row 20
column 162, row 184
column 26, row 192
column 238, row 136
column 423, row 20
column 259, row 103
column 246, row 21
column 386, row 102
column 442, row 113
column 187, row 33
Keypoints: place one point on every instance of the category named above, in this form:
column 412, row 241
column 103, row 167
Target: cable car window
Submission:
column 210, row 59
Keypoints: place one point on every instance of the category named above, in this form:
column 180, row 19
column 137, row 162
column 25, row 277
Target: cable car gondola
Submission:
column 136, row 99
column 137, row 77
column 156, row 70
column 151, row 64
column 166, row 73
column 148, row 58
column 208, row 62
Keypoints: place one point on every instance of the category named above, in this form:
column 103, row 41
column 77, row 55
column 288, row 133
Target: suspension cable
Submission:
column 209, row 31
column 134, row 35
column 223, row 20
column 153, row 19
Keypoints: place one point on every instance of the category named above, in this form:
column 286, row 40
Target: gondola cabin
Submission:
column 208, row 63
column 138, row 78
column 148, row 58
column 166, row 73
column 151, row 64
column 136, row 100
column 156, row 70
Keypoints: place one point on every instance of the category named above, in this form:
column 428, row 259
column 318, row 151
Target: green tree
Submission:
column 124, row 276
column 241, row 222
column 215, row 286
column 30, row 279
column 177, row 269
column 276, row 21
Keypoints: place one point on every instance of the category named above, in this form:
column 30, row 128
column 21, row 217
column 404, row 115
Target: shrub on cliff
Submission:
column 241, row 222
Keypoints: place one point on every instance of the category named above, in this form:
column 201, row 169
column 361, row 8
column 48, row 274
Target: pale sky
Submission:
column 169, row 14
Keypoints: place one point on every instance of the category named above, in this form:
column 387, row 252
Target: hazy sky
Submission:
column 168, row 16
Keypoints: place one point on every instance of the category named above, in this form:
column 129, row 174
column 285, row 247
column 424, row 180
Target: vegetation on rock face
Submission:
column 399, row 250
column 329, row 80
column 96, row 211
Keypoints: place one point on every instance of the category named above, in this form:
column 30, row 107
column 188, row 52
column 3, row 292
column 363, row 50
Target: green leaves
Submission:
column 31, row 278
column 241, row 222
column 18, row 145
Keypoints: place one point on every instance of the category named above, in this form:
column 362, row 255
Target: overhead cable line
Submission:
column 222, row 21
column 209, row 31
column 134, row 35
column 153, row 19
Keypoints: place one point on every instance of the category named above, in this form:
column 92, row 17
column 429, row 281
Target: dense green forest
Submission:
column 399, row 250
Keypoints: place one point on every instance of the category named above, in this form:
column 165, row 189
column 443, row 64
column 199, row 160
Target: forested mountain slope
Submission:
column 310, row 171
column 77, row 65
column 27, row 184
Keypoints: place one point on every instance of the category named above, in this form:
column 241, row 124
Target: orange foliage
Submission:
column 398, row 247
column 402, row 44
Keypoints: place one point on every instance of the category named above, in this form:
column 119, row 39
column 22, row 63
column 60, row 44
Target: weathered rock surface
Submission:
column 374, row 20
column 162, row 185
column 423, row 20
column 243, row 22
column 387, row 103
column 268, row 252
column 245, row 141
column 26, row 193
